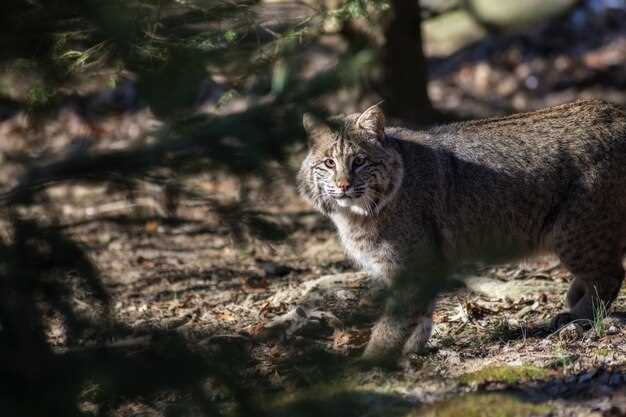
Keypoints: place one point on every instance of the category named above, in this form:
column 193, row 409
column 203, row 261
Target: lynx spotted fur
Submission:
column 551, row 180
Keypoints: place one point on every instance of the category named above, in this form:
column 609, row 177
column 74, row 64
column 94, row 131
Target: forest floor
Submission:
column 490, row 348
column 491, row 353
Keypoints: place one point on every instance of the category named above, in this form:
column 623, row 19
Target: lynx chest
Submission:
column 366, row 245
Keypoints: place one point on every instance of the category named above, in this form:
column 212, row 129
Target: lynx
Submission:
column 406, row 202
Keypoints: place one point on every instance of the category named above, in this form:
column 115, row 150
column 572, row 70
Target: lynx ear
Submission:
column 315, row 129
column 372, row 121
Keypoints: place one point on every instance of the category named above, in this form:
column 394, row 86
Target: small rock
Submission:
column 612, row 330
column 298, row 321
column 346, row 295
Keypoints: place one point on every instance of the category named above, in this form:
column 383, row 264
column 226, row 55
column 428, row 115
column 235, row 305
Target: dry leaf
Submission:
column 152, row 226
column 255, row 283
column 341, row 339
column 224, row 316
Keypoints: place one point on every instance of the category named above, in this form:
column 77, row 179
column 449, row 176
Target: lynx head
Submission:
column 351, row 165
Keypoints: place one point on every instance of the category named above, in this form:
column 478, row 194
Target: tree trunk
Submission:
column 404, row 67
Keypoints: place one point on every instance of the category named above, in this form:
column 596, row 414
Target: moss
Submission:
column 602, row 351
column 508, row 374
column 562, row 361
column 338, row 400
column 483, row 405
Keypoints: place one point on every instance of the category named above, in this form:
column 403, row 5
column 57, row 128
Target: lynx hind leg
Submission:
column 594, row 256
column 600, row 290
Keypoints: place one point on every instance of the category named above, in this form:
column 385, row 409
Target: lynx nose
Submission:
column 343, row 184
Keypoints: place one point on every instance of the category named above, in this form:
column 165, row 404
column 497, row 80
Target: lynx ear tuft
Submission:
column 372, row 121
column 308, row 122
column 315, row 128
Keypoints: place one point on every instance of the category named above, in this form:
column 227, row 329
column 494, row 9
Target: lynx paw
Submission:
column 419, row 338
column 389, row 341
column 386, row 341
column 561, row 320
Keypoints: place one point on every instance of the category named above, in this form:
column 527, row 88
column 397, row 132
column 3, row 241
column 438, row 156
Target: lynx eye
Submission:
column 358, row 161
column 329, row 163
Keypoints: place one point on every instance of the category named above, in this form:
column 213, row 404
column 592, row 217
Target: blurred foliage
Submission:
column 173, row 50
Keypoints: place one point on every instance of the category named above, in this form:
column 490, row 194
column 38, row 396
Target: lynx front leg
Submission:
column 407, row 323
column 416, row 343
column 399, row 334
column 388, row 336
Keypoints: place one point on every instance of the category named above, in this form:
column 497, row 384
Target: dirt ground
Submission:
column 192, row 278
column 189, row 276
